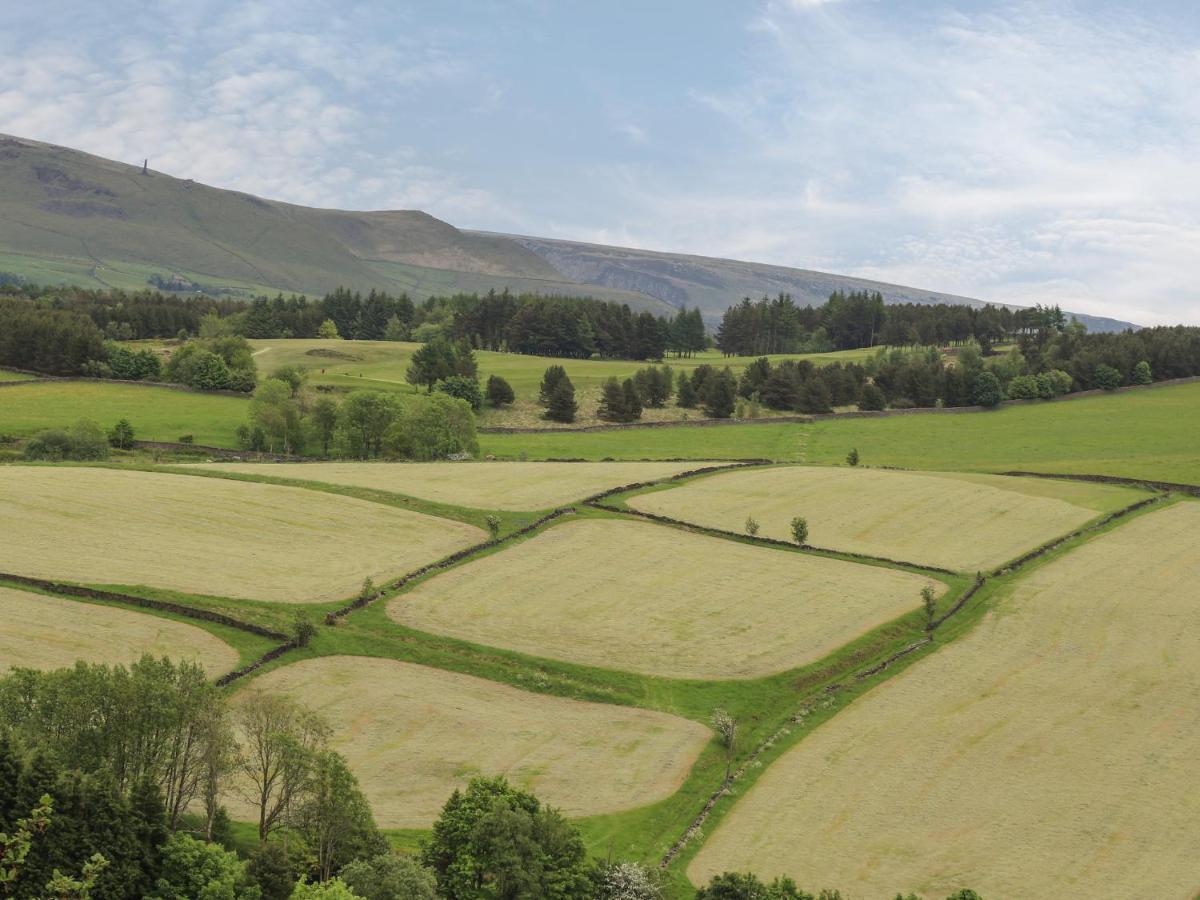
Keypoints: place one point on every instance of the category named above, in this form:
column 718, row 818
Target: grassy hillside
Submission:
column 69, row 217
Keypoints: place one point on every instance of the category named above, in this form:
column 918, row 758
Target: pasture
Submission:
column 1050, row 752
column 157, row 413
column 515, row 486
column 44, row 632
column 961, row 522
column 382, row 365
column 659, row 601
column 1151, row 433
column 10, row 375
column 209, row 535
column 413, row 734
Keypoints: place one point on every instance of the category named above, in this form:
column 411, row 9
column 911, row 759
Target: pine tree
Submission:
column 612, row 402
column 633, row 403
column 499, row 391
column 562, row 406
column 685, row 394
column 550, row 379
column 149, row 822
column 719, row 395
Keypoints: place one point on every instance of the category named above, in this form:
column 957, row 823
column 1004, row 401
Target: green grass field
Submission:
column 9, row 375
column 157, row 414
column 1152, row 433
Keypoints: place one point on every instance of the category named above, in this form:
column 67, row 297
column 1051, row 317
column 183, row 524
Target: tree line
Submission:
column 113, row 780
column 547, row 325
column 858, row 319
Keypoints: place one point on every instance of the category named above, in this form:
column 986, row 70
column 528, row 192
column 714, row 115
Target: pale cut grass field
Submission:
column 659, row 601
column 209, row 535
column 960, row 522
column 40, row 632
column 516, row 486
column 1050, row 753
column 413, row 734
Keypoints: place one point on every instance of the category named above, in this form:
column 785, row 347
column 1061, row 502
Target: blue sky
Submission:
column 1019, row 152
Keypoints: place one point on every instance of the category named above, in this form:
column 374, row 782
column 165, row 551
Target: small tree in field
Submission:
column 929, row 603
column 493, row 526
column 800, row 530
column 852, row 457
column 562, row 406
column 121, row 435
column 328, row 330
column 751, row 526
column 726, row 727
column 1107, row 377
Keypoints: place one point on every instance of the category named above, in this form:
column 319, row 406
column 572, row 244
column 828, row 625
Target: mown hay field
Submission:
column 961, row 522
column 40, row 632
column 1049, row 753
column 413, row 734
column 209, row 535
column 659, row 601
column 495, row 485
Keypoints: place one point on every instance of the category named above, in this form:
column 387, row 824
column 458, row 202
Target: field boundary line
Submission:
column 832, row 690
column 765, row 541
column 190, row 612
column 1146, row 483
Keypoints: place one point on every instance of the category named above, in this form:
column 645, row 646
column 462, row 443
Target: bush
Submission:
column 433, row 426
column 719, row 395
column 464, row 387
column 390, row 877
column 852, row 457
column 1024, row 387
column 1054, row 383
column 499, row 391
column 985, row 389
column 85, row 440
column 1107, row 378
column 751, row 526
column 187, row 439
column 121, row 435
column 1142, row 373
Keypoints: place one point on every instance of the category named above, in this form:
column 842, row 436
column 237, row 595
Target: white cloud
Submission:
column 1029, row 153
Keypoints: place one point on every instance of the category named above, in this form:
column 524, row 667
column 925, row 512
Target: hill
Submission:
column 713, row 284
column 70, row 217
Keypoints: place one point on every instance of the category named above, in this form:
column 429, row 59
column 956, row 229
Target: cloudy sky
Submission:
column 1020, row 152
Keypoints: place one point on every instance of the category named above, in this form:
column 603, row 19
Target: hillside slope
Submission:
column 72, row 218
column 713, row 284
column 67, row 216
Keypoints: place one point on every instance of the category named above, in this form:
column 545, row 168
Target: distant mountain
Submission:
column 713, row 284
column 72, row 218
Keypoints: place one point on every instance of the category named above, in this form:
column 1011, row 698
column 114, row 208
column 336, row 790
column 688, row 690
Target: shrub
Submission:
column 985, row 389
column 1107, row 378
column 303, row 630
column 1142, row 373
column 464, row 387
column 499, row 391
column 121, row 435
column 1054, row 383
column 719, row 394
column 328, row 330
column 187, row 439
column 1024, row 387
column 84, row 440
column 493, row 526
column 852, row 457
column 751, row 526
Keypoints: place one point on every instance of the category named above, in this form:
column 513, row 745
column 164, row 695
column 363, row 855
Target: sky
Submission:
column 1020, row 152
